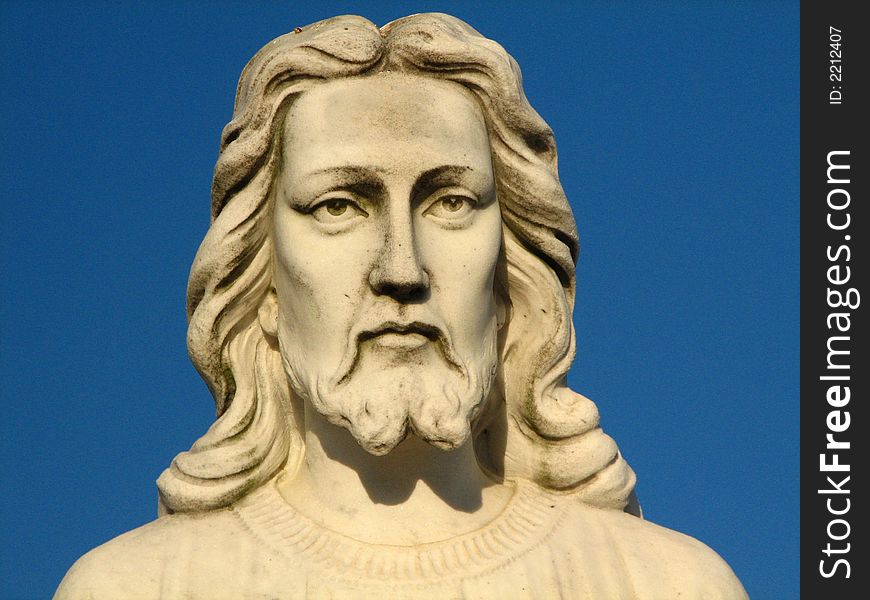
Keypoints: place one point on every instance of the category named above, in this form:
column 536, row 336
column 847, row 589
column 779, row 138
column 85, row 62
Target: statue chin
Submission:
column 393, row 392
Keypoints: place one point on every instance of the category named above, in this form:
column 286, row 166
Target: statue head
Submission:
column 402, row 266
column 386, row 235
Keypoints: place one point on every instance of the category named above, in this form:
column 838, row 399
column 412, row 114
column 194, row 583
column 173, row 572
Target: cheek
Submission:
column 462, row 268
column 318, row 280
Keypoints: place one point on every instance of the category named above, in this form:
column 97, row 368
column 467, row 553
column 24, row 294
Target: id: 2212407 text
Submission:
column 835, row 68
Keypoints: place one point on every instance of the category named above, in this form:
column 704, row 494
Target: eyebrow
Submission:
column 365, row 178
column 344, row 170
column 426, row 177
column 431, row 177
column 357, row 179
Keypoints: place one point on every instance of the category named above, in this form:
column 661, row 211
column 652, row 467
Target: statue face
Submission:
column 387, row 233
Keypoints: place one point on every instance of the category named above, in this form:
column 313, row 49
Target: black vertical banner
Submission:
column 835, row 368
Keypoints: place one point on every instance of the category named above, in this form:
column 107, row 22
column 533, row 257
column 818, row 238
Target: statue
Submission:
column 382, row 311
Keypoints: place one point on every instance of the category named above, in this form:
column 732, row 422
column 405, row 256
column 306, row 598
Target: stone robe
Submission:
column 543, row 545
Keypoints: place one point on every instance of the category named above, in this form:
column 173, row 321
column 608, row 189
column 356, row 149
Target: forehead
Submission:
column 391, row 119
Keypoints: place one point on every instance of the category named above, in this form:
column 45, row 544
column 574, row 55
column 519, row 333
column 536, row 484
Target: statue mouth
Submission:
column 401, row 336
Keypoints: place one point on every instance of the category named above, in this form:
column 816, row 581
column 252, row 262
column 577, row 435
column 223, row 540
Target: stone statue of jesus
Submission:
column 382, row 311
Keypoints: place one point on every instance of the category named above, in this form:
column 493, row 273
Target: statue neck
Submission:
column 415, row 494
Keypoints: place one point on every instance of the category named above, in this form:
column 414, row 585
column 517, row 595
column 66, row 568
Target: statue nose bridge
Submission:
column 399, row 264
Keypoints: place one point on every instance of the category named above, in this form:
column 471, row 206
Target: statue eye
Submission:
column 336, row 210
column 451, row 207
column 453, row 204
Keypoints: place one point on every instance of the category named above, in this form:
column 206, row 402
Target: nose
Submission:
column 398, row 271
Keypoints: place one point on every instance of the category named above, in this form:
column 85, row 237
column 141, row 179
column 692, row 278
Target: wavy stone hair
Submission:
column 538, row 428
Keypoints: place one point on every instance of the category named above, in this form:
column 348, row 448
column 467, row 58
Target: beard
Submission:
column 381, row 394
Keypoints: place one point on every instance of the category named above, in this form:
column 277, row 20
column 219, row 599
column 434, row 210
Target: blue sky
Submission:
column 677, row 126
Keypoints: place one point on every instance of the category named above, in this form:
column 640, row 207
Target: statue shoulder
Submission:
column 672, row 563
column 139, row 564
column 661, row 563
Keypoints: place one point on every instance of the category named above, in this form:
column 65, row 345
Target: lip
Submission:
column 404, row 336
column 400, row 341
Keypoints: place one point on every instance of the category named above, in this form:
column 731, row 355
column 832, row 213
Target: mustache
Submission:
column 373, row 324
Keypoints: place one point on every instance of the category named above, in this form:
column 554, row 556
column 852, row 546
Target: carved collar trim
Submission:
column 529, row 518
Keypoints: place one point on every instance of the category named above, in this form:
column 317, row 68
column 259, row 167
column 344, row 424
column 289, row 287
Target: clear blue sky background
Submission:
column 677, row 125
